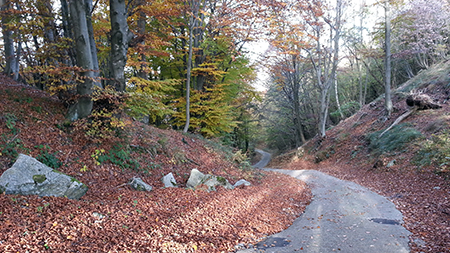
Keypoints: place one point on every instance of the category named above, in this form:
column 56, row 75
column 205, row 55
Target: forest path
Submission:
column 342, row 217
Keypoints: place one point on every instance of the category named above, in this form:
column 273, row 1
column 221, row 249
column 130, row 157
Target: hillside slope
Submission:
column 409, row 164
column 113, row 218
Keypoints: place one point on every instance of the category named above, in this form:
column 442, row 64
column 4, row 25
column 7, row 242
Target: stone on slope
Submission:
column 197, row 178
column 28, row 176
column 169, row 180
column 242, row 182
column 138, row 184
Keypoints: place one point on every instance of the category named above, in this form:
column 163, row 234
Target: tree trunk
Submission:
column 330, row 76
column 120, row 37
column 336, row 94
column 11, row 67
column 67, row 30
column 83, row 107
column 337, row 37
column 192, row 24
column 323, row 112
column 199, row 54
column 296, row 91
column 141, row 22
column 387, row 81
column 45, row 9
column 93, row 47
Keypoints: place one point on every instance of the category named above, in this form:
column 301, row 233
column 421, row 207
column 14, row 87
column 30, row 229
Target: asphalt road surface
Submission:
column 342, row 217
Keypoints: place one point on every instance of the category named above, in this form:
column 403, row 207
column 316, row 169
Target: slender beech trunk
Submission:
column 296, row 98
column 141, row 22
column 326, row 79
column 336, row 94
column 387, row 81
column 337, row 37
column 192, row 24
column 198, row 34
column 358, row 66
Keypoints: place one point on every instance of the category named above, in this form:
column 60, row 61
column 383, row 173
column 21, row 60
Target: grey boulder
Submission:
column 28, row 176
column 242, row 182
column 138, row 184
column 197, row 178
column 169, row 180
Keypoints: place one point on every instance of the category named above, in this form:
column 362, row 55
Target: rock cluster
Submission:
column 28, row 176
column 195, row 180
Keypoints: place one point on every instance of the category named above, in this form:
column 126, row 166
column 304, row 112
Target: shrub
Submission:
column 107, row 120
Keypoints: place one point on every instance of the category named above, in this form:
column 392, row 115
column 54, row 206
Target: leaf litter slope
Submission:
column 113, row 218
column 418, row 191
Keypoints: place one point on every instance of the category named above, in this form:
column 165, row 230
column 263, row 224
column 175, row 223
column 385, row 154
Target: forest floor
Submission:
column 420, row 188
column 112, row 217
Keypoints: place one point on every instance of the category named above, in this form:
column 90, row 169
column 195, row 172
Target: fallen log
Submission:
column 402, row 117
column 421, row 102
column 418, row 102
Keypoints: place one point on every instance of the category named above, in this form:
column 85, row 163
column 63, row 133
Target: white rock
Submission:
column 169, row 180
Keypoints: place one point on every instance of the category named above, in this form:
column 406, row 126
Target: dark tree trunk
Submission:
column 296, row 97
column 93, row 47
column 120, row 37
column 83, row 107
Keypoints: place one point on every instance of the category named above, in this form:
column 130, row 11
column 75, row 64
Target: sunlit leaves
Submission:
column 211, row 115
column 150, row 98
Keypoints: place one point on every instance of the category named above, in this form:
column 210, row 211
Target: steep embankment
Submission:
column 408, row 164
column 113, row 218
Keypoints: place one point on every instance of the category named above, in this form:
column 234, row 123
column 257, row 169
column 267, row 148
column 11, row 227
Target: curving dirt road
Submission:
column 342, row 217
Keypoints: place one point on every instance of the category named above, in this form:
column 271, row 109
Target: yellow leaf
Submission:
column 194, row 246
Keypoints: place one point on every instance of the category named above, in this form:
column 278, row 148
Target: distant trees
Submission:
column 307, row 58
column 377, row 57
column 182, row 64
column 421, row 33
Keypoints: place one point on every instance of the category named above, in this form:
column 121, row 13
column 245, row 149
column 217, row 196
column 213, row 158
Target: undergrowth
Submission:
column 47, row 158
column 395, row 139
column 118, row 155
column 11, row 145
column 435, row 151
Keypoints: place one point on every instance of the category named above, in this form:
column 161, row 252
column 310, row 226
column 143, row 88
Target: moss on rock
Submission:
column 39, row 178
